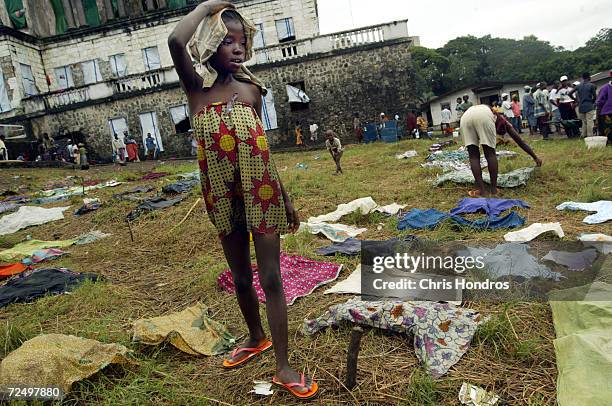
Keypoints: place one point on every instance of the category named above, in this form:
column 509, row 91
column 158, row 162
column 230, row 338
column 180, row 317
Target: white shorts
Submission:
column 478, row 126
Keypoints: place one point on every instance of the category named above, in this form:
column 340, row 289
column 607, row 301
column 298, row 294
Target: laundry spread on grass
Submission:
column 154, row 203
column 46, row 254
column 7, row 207
column 515, row 178
column 363, row 205
column 88, row 205
column 602, row 209
column 66, row 192
column 300, row 277
column 183, row 186
column 582, row 318
column 428, row 219
column 350, row 285
column 12, row 269
column 407, row 155
column 442, row 331
column 57, row 360
column 533, row 231
column 472, row 395
column 390, row 209
column 574, row 261
column 334, row 232
column 91, row 236
column 36, row 283
column 190, row 330
column 490, row 206
column 28, row 216
column 510, row 259
column 349, row 247
column 154, row 175
column 28, row 248
column 601, row 242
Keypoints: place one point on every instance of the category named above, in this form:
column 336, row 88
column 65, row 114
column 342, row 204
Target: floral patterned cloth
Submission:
column 442, row 332
column 300, row 276
column 240, row 183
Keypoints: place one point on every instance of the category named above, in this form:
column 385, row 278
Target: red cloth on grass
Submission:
column 11, row 269
column 300, row 277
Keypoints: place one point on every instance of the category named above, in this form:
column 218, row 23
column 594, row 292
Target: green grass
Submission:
column 167, row 269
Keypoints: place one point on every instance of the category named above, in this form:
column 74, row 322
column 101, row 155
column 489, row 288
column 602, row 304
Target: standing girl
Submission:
column 241, row 187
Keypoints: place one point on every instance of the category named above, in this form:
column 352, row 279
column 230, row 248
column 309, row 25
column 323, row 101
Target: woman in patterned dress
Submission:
column 240, row 183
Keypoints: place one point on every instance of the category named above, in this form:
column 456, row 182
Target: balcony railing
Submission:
column 144, row 81
column 67, row 97
column 330, row 42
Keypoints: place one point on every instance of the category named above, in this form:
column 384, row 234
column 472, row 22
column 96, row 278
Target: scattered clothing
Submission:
column 583, row 326
column 141, row 189
column 350, row 285
column 59, row 360
column 31, row 285
column 533, row 231
column 442, row 332
column 6, row 207
column 154, row 203
column 28, row 248
column 491, row 206
column 28, row 216
column 90, row 237
column 300, row 277
column 427, row 219
column 51, row 199
column 11, row 269
column 364, row 205
column 154, row 175
column 574, row 261
column 183, row 186
column 515, row 178
column 351, row 246
column 407, row 155
column 601, row 242
column 511, row 259
column 390, row 209
column 88, row 205
column 603, row 209
column 472, row 395
column 43, row 255
column 190, row 330
column 334, row 232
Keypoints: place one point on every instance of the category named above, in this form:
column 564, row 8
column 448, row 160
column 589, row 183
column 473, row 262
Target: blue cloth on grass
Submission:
column 352, row 246
column 427, row 219
column 491, row 206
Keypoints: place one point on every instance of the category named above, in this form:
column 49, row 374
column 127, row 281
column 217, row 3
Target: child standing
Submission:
column 334, row 147
column 242, row 195
column 299, row 136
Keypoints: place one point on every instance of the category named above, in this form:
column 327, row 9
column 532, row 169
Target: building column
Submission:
column 68, row 13
column 121, row 7
column 79, row 12
column 150, row 5
column 108, row 7
column 133, row 8
column 161, row 3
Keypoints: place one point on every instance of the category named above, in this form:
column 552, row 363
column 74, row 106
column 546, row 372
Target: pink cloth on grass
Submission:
column 301, row 276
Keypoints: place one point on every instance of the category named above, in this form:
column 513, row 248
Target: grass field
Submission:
column 168, row 269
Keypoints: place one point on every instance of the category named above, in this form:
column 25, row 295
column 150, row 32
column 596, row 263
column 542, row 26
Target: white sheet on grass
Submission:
column 534, row 230
column 28, row 216
column 365, row 205
column 335, row 232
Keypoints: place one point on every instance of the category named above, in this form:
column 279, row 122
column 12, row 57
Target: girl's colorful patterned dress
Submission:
column 240, row 183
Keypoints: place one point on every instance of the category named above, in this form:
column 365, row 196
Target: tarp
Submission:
column 190, row 330
column 59, row 360
column 300, row 277
column 442, row 332
column 583, row 346
column 28, row 216
column 27, row 248
column 515, row 178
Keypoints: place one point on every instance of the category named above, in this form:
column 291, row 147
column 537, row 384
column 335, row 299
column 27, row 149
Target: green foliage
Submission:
column 468, row 60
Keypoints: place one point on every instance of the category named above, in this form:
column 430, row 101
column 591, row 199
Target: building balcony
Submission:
column 331, row 42
column 123, row 87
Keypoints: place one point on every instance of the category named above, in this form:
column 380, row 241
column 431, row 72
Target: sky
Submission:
column 567, row 23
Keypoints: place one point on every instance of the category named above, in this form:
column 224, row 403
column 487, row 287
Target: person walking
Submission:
column 586, row 95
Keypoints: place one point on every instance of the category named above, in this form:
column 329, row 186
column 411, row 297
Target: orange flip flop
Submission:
column 252, row 352
column 289, row 386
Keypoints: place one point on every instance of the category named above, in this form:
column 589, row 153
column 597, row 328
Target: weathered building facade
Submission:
column 104, row 67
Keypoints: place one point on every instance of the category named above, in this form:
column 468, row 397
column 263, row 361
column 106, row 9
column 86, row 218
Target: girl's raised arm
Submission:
column 180, row 36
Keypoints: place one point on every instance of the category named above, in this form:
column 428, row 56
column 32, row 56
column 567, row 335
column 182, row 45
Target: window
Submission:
column 118, row 65
column 151, row 58
column 91, row 72
column 298, row 100
column 5, row 103
column 285, row 29
column 258, row 39
column 63, row 75
column 29, row 85
column 180, row 118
